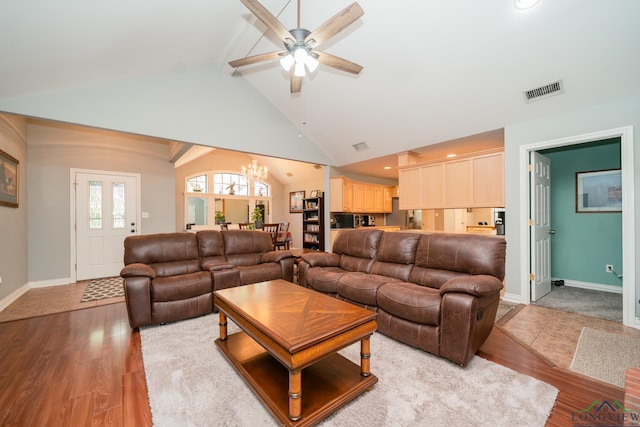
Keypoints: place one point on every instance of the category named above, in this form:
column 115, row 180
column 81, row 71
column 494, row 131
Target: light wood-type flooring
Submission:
column 84, row 367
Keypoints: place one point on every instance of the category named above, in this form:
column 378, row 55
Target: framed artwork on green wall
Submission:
column 599, row 191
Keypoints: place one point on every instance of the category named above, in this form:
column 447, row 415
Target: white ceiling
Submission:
column 434, row 71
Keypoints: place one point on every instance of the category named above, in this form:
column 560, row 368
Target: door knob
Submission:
column 133, row 223
column 133, row 230
column 551, row 231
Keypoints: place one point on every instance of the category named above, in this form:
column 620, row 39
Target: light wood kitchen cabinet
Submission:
column 358, row 197
column 488, row 180
column 473, row 181
column 349, row 196
column 410, row 188
column 432, row 180
column 458, row 184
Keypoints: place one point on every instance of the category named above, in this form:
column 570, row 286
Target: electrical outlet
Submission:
column 609, row 268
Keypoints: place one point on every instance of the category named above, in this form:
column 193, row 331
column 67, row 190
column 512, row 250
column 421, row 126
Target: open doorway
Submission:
column 625, row 136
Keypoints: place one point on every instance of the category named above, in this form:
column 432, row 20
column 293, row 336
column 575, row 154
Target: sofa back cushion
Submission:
column 442, row 256
column 245, row 247
column 357, row 248
column 396, row 255
column 169, row 254
column 210, row 246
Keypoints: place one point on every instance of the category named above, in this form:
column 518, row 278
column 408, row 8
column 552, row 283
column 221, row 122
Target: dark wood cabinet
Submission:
column 313, row 224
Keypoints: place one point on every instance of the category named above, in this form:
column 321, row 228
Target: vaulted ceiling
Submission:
column 434, row 71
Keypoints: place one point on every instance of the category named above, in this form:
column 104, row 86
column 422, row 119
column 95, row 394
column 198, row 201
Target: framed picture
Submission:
column 599, row 191
column 295, row 201
column 314, row 193
column 9, row 177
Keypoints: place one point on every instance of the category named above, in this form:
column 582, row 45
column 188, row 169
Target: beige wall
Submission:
column 13, row 222
column 53, row 150
column 224, row 160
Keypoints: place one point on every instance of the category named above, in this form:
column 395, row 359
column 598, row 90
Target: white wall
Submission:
column 53, row 151
column 601, row 117
column 13, row 222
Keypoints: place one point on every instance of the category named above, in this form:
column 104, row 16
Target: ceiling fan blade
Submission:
column 334, row 25
column 268, row 19
column 337, row 62
column 296, row 82
column 255, row 59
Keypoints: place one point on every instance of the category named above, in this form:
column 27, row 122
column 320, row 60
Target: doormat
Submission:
column 98, row 289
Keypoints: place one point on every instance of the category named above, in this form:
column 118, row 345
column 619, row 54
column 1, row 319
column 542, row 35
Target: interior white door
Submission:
column 540, row 179
column 106, row 213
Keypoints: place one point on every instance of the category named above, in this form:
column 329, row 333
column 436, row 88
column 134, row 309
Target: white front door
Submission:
column 540, row 178
column 106, row 212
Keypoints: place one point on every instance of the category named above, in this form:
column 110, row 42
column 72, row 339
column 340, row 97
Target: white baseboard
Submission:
column 6, row 301
column 593, row 286
column 512, row 298
column 51, row 282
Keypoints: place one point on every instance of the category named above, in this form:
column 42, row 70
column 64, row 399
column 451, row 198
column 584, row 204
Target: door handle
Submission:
column 133, row 230
column 551, row 231
column 133, row 223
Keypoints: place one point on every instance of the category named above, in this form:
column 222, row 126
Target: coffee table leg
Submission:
column 223, row 326
column 295, row 395
column 365, row 356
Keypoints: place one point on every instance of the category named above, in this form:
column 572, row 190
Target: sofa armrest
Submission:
column 276, row 256
column 480, row 285
column 138, row 269
column 321, row 259
column 216, row 266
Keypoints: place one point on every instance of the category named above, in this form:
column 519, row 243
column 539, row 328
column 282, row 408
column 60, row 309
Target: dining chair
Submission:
column 243, row 225
column 273, row 230
column 283, row 238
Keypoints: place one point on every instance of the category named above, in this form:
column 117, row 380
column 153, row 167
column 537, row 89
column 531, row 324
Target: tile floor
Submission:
column 554, row 334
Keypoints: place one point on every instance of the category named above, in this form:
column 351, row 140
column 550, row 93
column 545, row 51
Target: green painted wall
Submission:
column 584, row 242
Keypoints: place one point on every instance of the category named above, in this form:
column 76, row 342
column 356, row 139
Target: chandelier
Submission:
column 253, row 172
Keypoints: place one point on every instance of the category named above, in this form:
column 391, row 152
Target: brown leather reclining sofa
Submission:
column 435, row 291
column 172, row 276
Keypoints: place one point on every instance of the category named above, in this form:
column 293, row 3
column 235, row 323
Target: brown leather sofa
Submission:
column 172, row 276
column 435, row 291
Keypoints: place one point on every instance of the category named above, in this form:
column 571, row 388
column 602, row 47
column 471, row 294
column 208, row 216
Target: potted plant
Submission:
column 220, row 219
column 256, row 216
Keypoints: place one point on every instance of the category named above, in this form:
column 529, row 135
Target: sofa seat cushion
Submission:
column 325, row 279
column 418, row 304
column 362, row 287
column 185, row 286
column 259, row 273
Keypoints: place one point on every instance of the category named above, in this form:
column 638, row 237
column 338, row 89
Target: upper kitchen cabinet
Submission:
column 488, row 180
column 473, row 181
column 350, row 196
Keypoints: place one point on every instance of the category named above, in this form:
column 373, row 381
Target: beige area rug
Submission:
column 605, row 356
column 109, row 287
column 191, row 383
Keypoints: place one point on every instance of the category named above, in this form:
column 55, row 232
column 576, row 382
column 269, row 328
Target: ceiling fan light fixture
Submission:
column 311, row 63
column 287, row 61
column 299, row 70
column 300, row 54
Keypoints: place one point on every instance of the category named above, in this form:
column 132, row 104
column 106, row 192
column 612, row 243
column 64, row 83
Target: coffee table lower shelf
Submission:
column 327, row 385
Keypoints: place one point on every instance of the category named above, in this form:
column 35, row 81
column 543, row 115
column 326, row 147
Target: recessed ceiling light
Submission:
column 387, row 168
column 451, row 155
column 524, row 4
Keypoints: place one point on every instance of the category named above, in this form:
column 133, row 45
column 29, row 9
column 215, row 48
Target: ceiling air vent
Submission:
column 545, row 91
column 360, row 146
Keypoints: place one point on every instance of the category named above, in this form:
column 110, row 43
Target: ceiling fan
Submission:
column 300, row 44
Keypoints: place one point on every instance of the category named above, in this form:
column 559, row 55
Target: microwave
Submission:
column 346, row 220
column 367, row 220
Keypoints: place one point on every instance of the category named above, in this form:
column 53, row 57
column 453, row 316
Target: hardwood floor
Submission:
column 85, row 368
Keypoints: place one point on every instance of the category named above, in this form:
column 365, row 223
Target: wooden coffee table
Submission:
column 287, row 349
